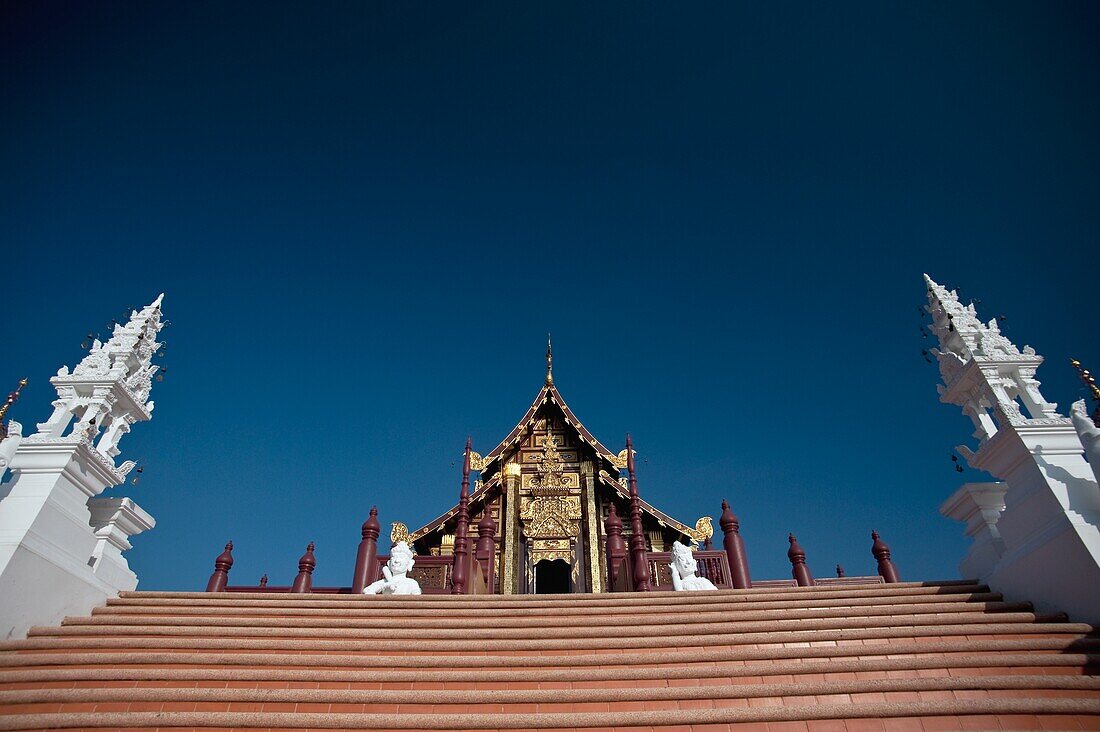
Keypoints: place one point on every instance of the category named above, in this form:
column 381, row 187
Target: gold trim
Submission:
column 704, row 529
column 511, row 528
column 595, row 572
column 398, row 532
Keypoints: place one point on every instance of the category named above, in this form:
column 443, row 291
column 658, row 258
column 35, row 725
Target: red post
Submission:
column 220, row 578
column 458, row 572
column 799, row 570
column 304, row 581
column 735, row 548
column 881, row 552
column 487, row 547
column 638, row 555
column 616, row 547
column 366, row 560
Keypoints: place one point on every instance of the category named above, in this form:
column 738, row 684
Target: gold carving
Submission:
column 550, row 465
column 619, row 461
column 549, row 516
column 476, row 461
column 704, row 529
column 566, row 555
column 398, row 532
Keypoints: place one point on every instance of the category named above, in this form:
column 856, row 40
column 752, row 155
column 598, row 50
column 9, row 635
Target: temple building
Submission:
column 551, row 595
column 549, row 488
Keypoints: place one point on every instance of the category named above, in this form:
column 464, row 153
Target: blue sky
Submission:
column 366, row 219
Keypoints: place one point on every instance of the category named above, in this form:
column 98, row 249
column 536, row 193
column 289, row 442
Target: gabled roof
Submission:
column 548, row 393
column 476, row 498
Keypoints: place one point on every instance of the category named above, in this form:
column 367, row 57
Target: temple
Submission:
column 549, row 488
column 544, row 597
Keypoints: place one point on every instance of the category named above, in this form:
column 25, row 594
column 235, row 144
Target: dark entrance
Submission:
column 552, row 577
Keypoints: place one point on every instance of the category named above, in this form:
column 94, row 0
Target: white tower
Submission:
column 60, row 545
column 1037, row 533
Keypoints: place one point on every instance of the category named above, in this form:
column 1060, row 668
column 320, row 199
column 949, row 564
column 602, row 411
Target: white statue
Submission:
column 396, row 582
column 683, row 570
column 1089, row 434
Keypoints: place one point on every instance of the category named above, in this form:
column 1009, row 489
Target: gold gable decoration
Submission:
column 398, row 532
column 619, row 461
column 550, row 516
column 704, row 529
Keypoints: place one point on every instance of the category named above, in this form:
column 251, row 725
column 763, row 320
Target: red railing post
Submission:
column 799, row 570
column 616, row 547
column 304, row 581
column 366, row 560
column 735, row 548
column 458, row 573
column 881, row 552
column 487, row 547
column 637, row 537
column 222, row 564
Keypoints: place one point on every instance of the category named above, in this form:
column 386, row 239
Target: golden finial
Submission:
column 549, row 360
column 12, row 398
column 1090, row 382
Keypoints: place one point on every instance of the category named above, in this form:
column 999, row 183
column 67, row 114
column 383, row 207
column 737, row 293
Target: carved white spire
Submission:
column 1037, row 532
column 983, row 371
column 55, row 526
column 108, row 390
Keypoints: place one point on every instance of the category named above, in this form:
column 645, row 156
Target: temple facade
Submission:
column 547, row 492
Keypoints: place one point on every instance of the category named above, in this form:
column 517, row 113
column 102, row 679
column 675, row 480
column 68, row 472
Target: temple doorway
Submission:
column 552, row 577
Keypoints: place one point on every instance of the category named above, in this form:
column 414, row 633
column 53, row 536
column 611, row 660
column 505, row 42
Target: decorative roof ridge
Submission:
column 647, row 506
column 548, row 393
column 479, row 494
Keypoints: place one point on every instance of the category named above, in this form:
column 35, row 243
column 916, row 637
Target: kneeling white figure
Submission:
column 683, row 569
column 396, row 581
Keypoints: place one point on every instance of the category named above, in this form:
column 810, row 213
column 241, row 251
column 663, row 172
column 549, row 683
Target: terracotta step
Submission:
column 944, row 653
column 1068, row 631
column 567, row 601
column 513, row 696
column 935, row 652
column 348, row 629
column 678, row 717
column 726, row 674
column 369, row 607
column 385, row 620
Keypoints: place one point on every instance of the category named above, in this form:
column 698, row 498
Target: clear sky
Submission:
column 366, row 217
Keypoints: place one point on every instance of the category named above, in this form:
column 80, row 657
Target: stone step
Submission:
column 567, row 601
column 1077, row 711
column 348, row 629
column 956, row 652
column 351, row 619
column 507, row 696
column 559, row 677
column 579, row 645
column 371, row 606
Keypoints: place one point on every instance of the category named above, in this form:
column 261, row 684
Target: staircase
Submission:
column 905, row 656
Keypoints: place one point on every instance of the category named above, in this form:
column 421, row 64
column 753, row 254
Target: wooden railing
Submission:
column 711, row 564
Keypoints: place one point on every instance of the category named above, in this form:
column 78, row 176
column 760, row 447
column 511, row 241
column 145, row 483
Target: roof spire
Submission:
column 549, row 360
column 1088, row 378
column 7, row 404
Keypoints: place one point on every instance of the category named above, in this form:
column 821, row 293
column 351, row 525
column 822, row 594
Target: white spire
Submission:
column 54, row 522
column 1037, row 533
column 959, row 329
column 109, row 389
column 983, row 370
